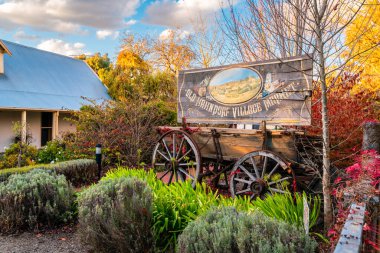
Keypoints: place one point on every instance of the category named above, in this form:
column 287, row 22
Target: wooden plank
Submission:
column 275, row 91
column 350, row 240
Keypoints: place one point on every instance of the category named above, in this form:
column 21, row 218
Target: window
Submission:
column 46, row 127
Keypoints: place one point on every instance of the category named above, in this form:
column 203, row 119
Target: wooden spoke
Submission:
column 180, row 148
column 184, row 172
column 280, row 180
column 174, row 147
column 171, row 177
column 184, row 164
column 243, row 191
column 247, row 172
column 276, row 190
column 274, row 169
column 166, row 172
column 166, row 147
column 180, row 159
column 242, row 180
column 264, row 166
column 164, row 156
column 255, row 167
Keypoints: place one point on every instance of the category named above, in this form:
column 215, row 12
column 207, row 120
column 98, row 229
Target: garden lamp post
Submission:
column 98, row 158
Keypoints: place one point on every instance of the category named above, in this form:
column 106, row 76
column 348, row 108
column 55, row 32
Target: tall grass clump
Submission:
column 230, row 231
column 115, row 215
column 38, row 198
column 289, row 207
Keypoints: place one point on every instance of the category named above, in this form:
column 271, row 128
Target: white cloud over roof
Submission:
column 62, row 47
column 66, row 16
column 180, row 13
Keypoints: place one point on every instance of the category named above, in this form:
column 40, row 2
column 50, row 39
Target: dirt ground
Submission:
column 64, row 240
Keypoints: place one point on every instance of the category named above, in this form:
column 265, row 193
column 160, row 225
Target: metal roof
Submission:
column 40, row 80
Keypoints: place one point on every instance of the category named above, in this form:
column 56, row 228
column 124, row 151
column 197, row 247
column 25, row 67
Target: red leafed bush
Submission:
column 347, row 112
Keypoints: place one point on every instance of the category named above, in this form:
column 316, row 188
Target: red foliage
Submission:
column 360, row 181
column 346, row 113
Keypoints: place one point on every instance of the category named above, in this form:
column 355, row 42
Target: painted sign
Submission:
column 277, row 91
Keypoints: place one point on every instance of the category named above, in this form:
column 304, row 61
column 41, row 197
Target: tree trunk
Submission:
column 371, row 136
column 326, row 181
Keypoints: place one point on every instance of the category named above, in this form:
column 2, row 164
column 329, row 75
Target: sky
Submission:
column 73, row 27
column 233, row 74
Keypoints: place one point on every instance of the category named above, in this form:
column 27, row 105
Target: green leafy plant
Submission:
column 37, row 198
column 54, row 151
column 115, row 215
column 289, row 207
column 18, row 154
column 228, row 230
column 78, row 172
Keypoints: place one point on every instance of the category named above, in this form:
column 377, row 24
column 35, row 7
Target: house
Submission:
column 39, row 89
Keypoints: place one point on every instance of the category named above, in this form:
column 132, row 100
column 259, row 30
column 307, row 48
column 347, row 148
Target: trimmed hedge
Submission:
column 78, row 172
column 35, row 199
column 116, row 215
column 229, row 231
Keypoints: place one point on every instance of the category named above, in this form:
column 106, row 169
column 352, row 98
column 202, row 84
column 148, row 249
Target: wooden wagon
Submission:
column 246, row 161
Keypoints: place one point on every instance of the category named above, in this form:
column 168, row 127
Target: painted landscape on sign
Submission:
column 235, row 85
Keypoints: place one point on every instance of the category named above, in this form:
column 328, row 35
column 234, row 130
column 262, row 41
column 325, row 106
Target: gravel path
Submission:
column 56, row 241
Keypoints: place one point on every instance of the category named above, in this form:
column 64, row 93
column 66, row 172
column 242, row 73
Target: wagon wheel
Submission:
column 260, row 172
column 176, row 157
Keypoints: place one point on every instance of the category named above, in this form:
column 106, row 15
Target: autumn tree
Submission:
column 98, row 62
column 368, row 62
column 172, row 52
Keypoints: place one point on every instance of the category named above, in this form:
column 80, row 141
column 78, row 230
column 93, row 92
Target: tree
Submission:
column 172, row 53
column 207, row 43
column 98, row 62
column 292, row 27
column 368, row 62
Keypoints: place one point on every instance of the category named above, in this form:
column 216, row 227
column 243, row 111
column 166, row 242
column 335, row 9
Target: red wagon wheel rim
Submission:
column 176, row 158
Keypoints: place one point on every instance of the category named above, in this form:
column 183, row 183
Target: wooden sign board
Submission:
column 277, row 91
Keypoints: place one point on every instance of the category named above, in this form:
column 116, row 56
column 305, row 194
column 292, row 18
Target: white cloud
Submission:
column 66, row 16
column 102, row 34
column 21, row 35
column 62, row 47
column 131, row 22
column 180, row 13
column 165, row 34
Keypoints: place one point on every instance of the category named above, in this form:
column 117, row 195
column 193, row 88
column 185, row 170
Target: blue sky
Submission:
column 233, row 74
column 73, row 27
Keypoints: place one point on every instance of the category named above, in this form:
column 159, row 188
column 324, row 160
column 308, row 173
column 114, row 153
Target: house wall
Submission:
column 33, row 120
column 6, row 133
column 65, row 125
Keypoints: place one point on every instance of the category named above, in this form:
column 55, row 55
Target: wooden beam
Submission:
column 23, row 126
column 55, row 129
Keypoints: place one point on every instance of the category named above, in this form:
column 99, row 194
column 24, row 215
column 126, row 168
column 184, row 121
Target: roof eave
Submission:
column 4, row 47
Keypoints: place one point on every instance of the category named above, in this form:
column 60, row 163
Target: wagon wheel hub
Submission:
column 257, row 186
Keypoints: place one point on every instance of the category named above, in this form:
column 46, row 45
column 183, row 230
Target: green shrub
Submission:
column 227, row 230
column 13, row 156
column 176, row 205
column 116, row 215
column 54, row 151
column 35, row 198
column 289, row 208
column 78, row 172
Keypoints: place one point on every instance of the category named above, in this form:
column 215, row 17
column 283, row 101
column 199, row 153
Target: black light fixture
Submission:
column 98, row 158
